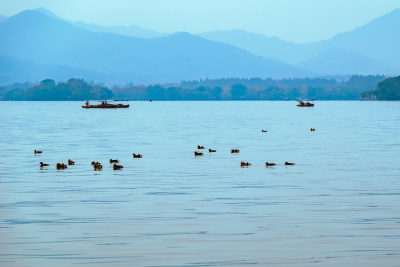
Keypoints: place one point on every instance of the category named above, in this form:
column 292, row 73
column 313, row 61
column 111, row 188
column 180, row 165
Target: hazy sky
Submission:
column 293, row 20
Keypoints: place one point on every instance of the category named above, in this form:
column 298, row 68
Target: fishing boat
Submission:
column 104, row 104
column 304, row 104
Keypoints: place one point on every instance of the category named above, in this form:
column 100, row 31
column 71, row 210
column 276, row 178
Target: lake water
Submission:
column 338, row 206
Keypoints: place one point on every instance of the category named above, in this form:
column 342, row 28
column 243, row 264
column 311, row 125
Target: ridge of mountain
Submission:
column 33, row 36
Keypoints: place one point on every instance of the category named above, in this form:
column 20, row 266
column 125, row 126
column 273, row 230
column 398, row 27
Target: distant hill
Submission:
column 133, row 31
column 340, row 62
column 377, row 39
column 44, row 40
column 388, row 89
column 376, row 42
column 16, row 70
column 268, row 47
column 2, row 18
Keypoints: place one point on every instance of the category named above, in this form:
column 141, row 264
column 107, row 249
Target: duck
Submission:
column 71, row 162
column 43, row 164
column 61, row 166
column 288, row 163
column 264, row 131
column 117, row 167
column 198, row 153
column 269, row 164
column 312, row 129
column 97, row 166
column 211, row 150
column 114, row 161
column 137, row 155
column 37, row 151
column 244, row 163
column 200, row 147
column 235, row 150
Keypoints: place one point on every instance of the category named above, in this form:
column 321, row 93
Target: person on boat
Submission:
column 87, row 102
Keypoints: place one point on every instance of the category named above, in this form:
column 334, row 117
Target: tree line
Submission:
column 208, row 89
column 388, row 89
column 49, row 90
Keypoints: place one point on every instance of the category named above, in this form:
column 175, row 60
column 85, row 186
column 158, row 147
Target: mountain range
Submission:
column 36, row 44
column 369, row 49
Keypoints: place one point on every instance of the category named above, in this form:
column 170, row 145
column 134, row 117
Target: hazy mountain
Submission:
column 48, row 13
column 340, row 62
column 269, row 47
column 133, row 31
column 16, row 70
column 33, row 36
column 2, row 18
column 377, row 40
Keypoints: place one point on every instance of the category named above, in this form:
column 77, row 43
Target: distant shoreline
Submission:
column 225, row 89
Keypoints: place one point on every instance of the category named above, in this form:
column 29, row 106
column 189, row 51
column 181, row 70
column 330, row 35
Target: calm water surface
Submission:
column 338, row 206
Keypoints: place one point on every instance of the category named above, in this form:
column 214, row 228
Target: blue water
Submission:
column 338, row 206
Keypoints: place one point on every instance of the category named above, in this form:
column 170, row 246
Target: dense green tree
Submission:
column 155, row 92
column 238, row 91
column 388, row 89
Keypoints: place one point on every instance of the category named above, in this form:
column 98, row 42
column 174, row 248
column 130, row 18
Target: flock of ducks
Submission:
column 236, row 151
column 98, row 166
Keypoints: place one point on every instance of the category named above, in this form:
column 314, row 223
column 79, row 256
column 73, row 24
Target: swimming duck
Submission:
column 43, row 164
column 61, row 166
column 288, row 163
column 264, row 131
column 200, row 147
column 117, row 167
column 235, row 150
column 37, row 151
column 212, row 150
column 114, row 161
column 71, row 162
column 244, row 163
column 97, row 166
column 137, row 155
column 198, row 153
column 269, row 164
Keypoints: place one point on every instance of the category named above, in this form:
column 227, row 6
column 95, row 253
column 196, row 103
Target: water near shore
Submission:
column 338, row 206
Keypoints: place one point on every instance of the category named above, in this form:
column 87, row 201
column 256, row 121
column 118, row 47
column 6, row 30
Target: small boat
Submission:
column 104, row 104
column 307, row 104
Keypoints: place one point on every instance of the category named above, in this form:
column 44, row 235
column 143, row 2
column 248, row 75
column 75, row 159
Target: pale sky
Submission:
column 292, row 20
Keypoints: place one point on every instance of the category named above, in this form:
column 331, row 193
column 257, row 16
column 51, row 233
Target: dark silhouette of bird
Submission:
column 117, row 167
column 43, row 164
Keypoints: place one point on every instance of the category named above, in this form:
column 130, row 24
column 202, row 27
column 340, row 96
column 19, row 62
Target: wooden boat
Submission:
column 307, row 104
column 104, row 104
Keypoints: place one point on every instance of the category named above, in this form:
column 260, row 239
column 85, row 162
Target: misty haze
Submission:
column 199, row 133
